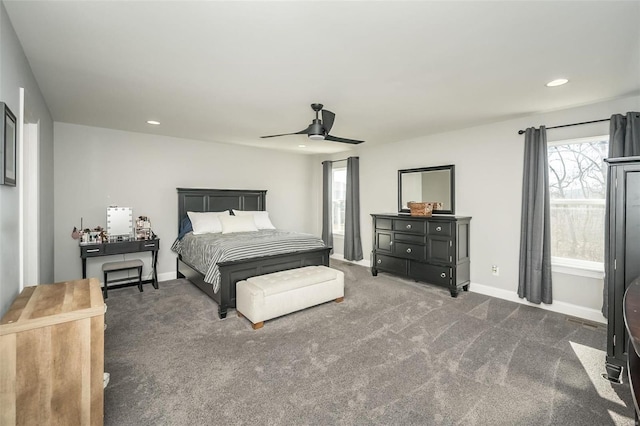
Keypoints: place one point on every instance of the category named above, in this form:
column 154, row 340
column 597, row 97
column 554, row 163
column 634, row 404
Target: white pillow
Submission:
column 206, row 223
column 232, row 224
column 261, row 218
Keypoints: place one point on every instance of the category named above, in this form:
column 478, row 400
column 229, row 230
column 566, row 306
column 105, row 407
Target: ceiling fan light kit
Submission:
column 319, row 129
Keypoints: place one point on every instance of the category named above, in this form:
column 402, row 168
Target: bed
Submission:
column 230, row 272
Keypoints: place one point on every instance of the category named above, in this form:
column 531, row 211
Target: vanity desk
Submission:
column 432, row 249
column 122, row 247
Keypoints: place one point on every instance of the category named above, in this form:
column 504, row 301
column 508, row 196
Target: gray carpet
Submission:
column 394, row 352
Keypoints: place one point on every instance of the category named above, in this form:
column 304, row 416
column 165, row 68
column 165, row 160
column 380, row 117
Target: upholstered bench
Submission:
column 269, row 296
column 126, row 265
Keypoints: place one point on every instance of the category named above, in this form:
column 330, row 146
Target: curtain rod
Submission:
column 569, row 125
column 344, row 159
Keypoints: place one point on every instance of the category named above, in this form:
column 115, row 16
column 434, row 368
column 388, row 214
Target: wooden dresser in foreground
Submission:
column 52, row 352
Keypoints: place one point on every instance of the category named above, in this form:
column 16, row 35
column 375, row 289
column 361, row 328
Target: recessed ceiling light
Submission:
column 302, row 146
column 558, row 82
column 153, row 122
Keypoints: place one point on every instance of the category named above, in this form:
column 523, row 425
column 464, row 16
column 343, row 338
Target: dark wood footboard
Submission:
column 213, row 200
column 238, row 270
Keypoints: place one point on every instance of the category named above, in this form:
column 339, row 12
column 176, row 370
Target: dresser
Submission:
column 52, row 356
column 622, row 251
column 431, row 249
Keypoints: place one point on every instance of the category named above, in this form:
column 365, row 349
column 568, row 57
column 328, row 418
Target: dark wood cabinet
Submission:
column 430, row 249
column 631, row 314
column 622, row 237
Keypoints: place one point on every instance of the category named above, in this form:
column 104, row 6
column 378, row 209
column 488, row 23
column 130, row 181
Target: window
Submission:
column 577, row 184
column 338, row 197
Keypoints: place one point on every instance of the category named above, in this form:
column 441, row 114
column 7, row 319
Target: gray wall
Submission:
column 15, row 73
column 488, row 162
column 96, row 168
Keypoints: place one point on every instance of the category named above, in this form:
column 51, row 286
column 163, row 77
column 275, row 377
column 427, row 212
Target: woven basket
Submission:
column 436, row 205
column 420, row 209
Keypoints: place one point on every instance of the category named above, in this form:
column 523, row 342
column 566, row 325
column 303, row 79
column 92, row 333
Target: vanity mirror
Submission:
column 120, row 223
column 429, row 184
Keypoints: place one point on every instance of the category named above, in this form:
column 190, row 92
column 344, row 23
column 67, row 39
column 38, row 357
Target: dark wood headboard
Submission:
column 215, row 200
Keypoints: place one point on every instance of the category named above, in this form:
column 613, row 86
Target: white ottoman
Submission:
column 269, row 296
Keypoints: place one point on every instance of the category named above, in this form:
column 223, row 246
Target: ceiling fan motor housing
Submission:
column 316, row 130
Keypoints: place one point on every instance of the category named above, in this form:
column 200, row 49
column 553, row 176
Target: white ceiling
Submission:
column 232, row 71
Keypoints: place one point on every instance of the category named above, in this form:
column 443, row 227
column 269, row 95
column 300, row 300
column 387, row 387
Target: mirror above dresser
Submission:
column 427, row 184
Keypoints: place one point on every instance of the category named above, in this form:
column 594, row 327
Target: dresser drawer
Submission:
column 149, row 245
column 412, row 226
column 439, row 228
column 408, row 238
column 410, row 251
column 391, row 264
column 433, row 274
column 92, row 250
column 383, row 223
column 121, row 247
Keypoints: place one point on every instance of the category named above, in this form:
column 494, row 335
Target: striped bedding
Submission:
column 204, row 252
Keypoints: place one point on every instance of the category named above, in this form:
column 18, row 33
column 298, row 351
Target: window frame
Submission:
column 337, row 166
column 570, row 266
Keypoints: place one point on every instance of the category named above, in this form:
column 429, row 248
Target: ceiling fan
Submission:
column 319, row 129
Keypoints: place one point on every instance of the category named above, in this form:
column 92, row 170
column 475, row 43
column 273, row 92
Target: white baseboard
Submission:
column 363, row 262
column 166, row 276
column 560, row 307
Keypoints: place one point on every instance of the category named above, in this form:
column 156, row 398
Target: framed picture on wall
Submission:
column 8, row 133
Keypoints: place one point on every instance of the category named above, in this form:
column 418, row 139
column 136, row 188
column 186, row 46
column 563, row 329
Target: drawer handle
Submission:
column 409, row 250
column 379, row 260
column 443, row 275
column 439, row 228
column 409, row 226
column 150, row 245
column 92, row 250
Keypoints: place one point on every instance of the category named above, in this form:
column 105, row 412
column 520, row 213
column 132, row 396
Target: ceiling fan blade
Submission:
column 301, row 132
column 343, row 140
column 327, row 120
column 275, row 136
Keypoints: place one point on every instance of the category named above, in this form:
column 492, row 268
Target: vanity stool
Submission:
column 121, row 266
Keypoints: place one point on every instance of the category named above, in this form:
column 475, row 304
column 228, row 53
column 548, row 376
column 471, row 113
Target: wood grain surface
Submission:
column 52, row 347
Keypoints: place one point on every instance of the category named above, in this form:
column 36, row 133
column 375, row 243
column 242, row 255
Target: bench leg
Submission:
column 258, row 325
column 140, row 278
column 340, row 299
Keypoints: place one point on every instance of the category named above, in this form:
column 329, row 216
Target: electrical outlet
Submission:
column 495, row 270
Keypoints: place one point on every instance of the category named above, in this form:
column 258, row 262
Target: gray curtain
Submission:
column 535, row 236
column 624, row 135
column 624, row 141
column 327, row 227
column 352, row 243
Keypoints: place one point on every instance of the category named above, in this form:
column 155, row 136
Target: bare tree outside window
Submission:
column 577, row 184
